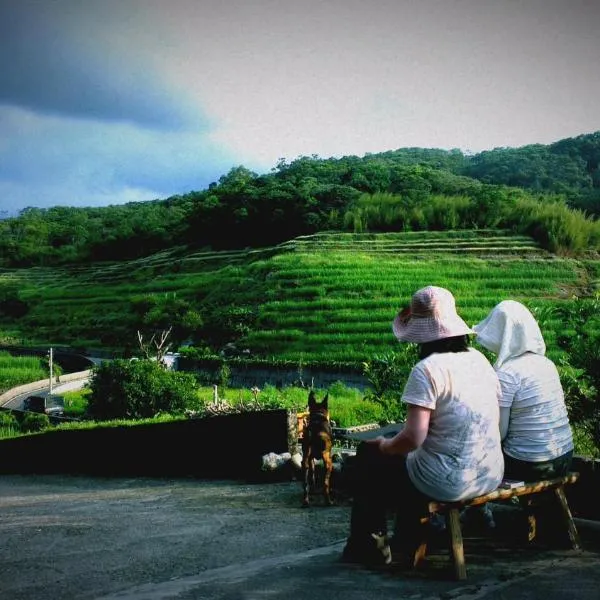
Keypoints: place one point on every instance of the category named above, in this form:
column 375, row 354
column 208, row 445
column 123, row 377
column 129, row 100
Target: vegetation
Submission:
column 17, row 370
column 311, row 194
column 76, row 402
column 305, row 267
column 9, row 426
column 326, row 299
column 122, row 389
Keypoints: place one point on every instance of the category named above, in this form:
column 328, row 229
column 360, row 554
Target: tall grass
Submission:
column 18, row 370
column 550, row 221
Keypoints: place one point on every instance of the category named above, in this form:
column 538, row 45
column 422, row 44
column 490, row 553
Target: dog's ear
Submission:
column 311, row 398
column 325, row 401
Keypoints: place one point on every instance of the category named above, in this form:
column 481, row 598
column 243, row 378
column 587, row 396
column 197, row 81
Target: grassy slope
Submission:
column 330, row 296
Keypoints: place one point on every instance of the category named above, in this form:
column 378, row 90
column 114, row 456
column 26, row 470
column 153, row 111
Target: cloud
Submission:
column 80, row 59
column 107, row 100
column 81, row 163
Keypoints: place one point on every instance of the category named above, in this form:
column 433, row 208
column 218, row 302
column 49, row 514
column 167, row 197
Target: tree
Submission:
column 137, row 389
column 156, row 347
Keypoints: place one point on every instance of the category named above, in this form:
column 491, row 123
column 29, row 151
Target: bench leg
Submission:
column 456, row 543
column 421, row 549
column 528, row 505
column 568, row 518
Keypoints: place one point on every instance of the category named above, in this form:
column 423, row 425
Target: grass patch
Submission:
column 18, row 370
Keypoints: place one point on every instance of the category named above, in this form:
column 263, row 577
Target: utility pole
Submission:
column 50, row 363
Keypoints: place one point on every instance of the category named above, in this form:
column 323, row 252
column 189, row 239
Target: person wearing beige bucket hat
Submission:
column 449, row 447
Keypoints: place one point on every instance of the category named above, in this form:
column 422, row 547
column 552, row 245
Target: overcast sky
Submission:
column 110, row 101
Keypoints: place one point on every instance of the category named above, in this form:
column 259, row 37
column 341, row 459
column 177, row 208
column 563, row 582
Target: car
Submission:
column 35, row 404
column 52, row 406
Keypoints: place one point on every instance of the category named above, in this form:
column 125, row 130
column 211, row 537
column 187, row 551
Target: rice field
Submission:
column 329, row 297
column 16, row 370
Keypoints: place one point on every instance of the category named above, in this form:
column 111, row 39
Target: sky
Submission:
column 112, row 101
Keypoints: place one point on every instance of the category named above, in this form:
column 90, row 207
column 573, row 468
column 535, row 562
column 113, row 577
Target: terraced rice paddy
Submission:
column 327, row 297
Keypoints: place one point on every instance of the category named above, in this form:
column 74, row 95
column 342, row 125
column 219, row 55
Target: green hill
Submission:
column 551, row 193
column 325, row 298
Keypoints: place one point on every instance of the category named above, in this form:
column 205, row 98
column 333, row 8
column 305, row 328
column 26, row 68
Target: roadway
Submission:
column 16, row 402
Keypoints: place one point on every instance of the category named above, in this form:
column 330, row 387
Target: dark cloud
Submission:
column 63, row 62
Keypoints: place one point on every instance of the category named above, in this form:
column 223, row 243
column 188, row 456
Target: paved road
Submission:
column 16, row 403
column 67, row 537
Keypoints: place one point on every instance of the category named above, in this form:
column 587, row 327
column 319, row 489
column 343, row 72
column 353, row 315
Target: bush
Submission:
column 9, row 426
column 579, row 368
column 33, row 422
column 387, row 375
column 139, row 389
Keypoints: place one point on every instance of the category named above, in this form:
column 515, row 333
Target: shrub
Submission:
column 33, row 422
column 9, row 426
column 579, row 368
column 139, row 389
column 387, row 375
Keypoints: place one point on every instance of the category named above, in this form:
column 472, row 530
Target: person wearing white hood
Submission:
column 537, row 440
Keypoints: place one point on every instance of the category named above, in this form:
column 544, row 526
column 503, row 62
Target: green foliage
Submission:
column 167, row 311
column 555, row 226
column 387, row 375
column 7, row 419
column 310, row 194
column 18, row 370
column 226, row 324
column 76, row 402
column 569, row 166
column 11, row 304
column 139, row 389
column 325, row 299
column 347, row 405
column 9, row 426
column 68, row 234
column 584, row 443
column 580, row 365
column 34, row 422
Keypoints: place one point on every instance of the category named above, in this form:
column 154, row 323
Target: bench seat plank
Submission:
column 451, row 510
column 534, row 487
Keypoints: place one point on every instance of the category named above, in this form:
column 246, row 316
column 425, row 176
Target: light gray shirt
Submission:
column 538, row 428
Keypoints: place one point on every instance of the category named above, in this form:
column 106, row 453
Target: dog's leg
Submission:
column 306, row 477
column 313, row 474
column 328, row 468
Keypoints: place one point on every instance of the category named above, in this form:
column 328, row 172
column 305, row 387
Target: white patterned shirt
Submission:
column 461, row 456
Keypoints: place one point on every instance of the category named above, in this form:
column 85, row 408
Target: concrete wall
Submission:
column 248, row 377
column 222, row 446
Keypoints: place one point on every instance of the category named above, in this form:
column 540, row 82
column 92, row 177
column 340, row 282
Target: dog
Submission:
column 317, row 441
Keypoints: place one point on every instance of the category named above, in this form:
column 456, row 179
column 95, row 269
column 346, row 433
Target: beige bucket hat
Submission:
column 431, row 316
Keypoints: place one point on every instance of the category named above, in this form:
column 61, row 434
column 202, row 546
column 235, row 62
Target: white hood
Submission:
column 509, row 331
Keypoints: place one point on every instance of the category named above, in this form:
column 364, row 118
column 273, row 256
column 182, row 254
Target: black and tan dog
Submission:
column 317, row 440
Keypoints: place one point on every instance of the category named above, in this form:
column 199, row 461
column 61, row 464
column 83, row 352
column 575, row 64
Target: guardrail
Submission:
column 40, row 385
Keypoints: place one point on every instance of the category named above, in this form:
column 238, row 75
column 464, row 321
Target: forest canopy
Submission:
column 551, row 192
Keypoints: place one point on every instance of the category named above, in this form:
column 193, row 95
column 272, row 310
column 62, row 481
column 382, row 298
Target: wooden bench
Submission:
column 451, row 511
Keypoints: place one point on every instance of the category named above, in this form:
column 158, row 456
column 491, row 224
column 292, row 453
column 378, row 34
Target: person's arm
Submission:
column 504, row 419
column 412, row 435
